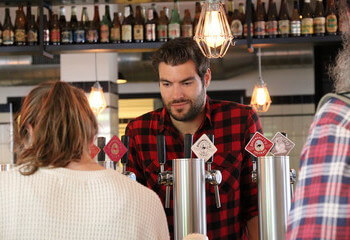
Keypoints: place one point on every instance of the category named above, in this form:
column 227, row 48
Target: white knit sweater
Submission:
column 69, row 204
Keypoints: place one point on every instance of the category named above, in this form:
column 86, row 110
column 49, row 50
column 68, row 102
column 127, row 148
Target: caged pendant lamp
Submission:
column 213, row 34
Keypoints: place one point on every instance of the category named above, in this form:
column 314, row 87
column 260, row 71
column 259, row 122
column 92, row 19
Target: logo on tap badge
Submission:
column 115, row 149
column 259, row 146
column 204, row 148
column 282, row 145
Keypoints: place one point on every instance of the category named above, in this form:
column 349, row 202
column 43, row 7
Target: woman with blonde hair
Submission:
column 57, row 191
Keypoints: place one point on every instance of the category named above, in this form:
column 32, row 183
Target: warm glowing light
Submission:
column 122, row 81
column 214, row 34
column 261, row 100
column 97, row 99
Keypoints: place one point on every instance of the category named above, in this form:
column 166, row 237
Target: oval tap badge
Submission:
column 115, row 149
column 259, row 146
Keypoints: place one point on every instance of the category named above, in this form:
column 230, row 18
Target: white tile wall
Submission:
column 6, row 156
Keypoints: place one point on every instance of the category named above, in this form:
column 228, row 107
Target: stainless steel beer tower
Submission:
column 188, row 177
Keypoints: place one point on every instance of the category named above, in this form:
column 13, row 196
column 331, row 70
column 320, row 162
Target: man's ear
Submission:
column 207, row 78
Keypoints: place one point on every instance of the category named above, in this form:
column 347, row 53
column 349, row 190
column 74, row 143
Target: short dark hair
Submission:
column 179, row 51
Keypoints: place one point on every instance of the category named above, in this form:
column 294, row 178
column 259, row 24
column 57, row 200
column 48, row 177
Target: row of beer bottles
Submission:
column 144, row 26
column 271, row 24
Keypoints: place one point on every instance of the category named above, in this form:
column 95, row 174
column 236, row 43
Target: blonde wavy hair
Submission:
column 54, row 127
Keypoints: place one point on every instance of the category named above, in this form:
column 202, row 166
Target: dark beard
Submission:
column 341, row 70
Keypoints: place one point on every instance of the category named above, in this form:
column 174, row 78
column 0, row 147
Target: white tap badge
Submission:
column 204, row 148
column 282, row 145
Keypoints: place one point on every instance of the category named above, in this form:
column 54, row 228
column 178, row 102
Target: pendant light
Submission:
column 97, row 99
column 261, row 100
column 213, row 34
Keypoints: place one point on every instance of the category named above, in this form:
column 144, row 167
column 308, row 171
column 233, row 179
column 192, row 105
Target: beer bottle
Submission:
column 74, row 25
column 8, row 33
column 62, row 19
column 271, row 24
column 20, row 27
column 259, row 25
column 162, row 27
column 174, row 25
column 151, row 35
column 295, row 23
column 230, row 11
column 187, row 27
column 0, row 34
column 155, row 13
column 283, row 22
column 241, row 16
column 331, row 19
column 92, row 33
column 32, row 32
column 307, row 22
column 197, row 14
column 245, row 23
column 236, row 24
column 319, row 19
column 55, row 34
column 127, row 25
column 46, row 30
column 66, row 31
column 116, row 29
column 105, row 26
column 79, row 32
column 139, row 33
column 29, row 11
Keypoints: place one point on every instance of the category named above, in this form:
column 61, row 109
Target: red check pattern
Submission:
column 320, row 207
column 231, row 124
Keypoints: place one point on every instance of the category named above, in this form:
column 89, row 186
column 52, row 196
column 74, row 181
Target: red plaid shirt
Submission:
column 231, row 124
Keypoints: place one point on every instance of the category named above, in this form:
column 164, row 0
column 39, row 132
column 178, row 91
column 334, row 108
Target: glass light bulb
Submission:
column 213, row 30
column 261, row 100
column 261, row 96
column 97, row 99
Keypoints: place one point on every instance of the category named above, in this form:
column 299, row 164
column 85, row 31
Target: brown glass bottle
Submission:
column 186, row 25
column 93, row 30
column 32, row 32
column 29, row 11
column 46, row 30
column 252, row 21
column 331, row 18
column 116, row 29
column 79, row 32
column 139, row 27
column 236, row 24
column 162, row 27
column 259, row 24
column 20, row 27
column 283, row 20
column 151, row 26
column 0, row 34
column 319, row 19
column 307, row 22
column 295, row 23
column 8, row 36
column 127, row 25
column 197, row 14
column 272, row 24
column 230, row 10
column 55, row 34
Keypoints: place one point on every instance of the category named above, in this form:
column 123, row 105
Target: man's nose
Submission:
column 177, row 92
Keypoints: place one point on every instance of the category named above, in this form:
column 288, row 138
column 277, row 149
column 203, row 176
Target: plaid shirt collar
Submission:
column 166, row 123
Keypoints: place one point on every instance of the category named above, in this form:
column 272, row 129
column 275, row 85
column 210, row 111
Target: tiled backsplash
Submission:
column 293, row 119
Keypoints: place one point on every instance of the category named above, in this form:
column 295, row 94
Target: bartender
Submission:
column 184, row 76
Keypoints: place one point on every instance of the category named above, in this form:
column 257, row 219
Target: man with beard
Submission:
column 184, row 76
column 321, row 204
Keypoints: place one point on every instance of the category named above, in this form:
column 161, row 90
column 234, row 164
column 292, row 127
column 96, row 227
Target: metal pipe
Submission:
column 189, row 197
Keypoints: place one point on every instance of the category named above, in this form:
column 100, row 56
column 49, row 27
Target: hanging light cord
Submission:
column 259, row 59
column 96, row 67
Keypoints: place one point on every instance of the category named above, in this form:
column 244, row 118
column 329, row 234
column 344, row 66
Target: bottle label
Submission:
column 104, row 33
column 127, row 33
column 295, row 28
column 79, row 36
column 174, row 30
column 307, row 26
column 187, row 30
column 32, row 36
column 236, row 28
column 7, row 37
column 115, row 34
column 271, row 27
column 162, row 31
column 151, row 32
column 319, row 25
column 283, row 27
column 55, row 36
column 46, row 35
column 331, row 23
column 259, row 28
column 92, row 36
column 67, row 36
column 20, row 35
column 245, row 30
column 138, row 32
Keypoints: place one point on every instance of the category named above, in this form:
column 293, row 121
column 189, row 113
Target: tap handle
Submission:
column 161, row 149
column 101, row 143
column 188, row 141
column 167, row 197
column 217, row 196
column 125, row 141
column 211, row 137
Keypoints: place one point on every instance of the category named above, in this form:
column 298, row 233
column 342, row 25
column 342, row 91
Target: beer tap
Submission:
column 214, row 177
column 125, row 159
column 254, row 160
column 164, row 177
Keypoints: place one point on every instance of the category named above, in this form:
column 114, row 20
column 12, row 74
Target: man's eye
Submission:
column 187, row 83
column 166, row 84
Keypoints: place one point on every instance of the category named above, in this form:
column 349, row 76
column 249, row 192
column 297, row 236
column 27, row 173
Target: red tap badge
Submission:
column 94, row 150
column 115, row 149
column 259, row 146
